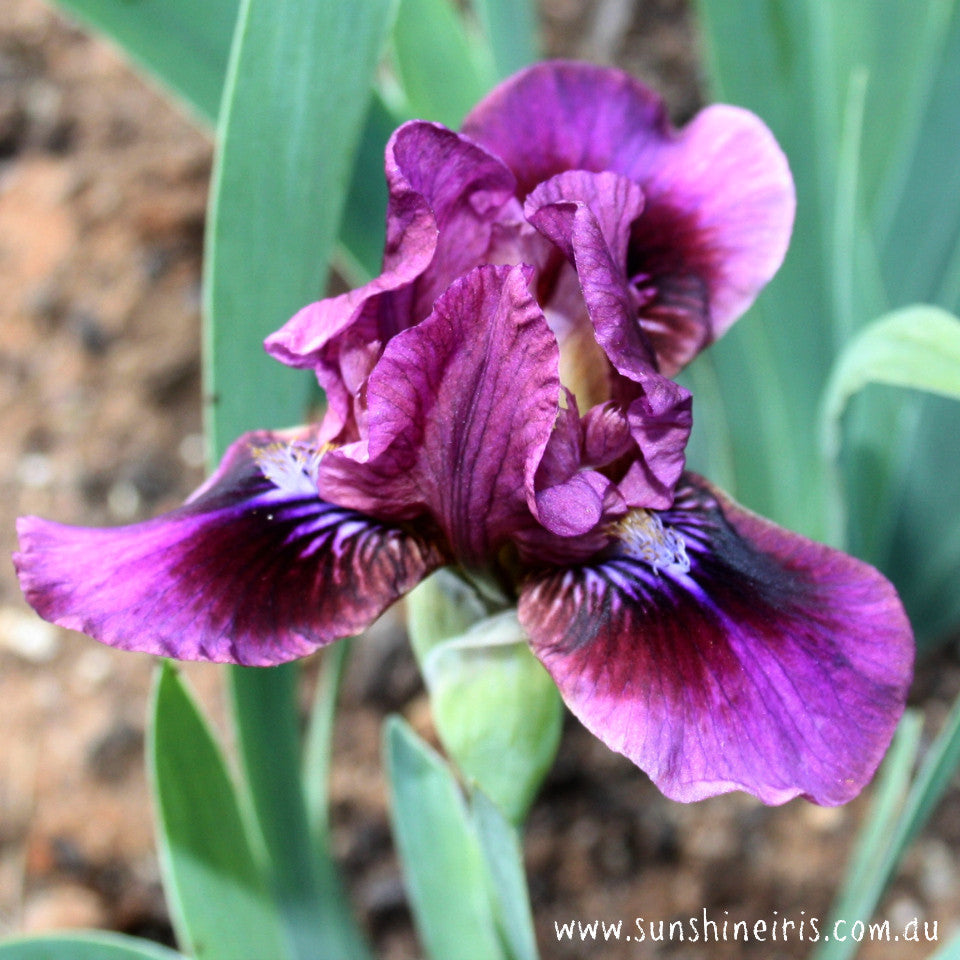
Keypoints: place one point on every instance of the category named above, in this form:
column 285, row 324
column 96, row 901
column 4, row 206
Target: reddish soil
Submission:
column 102, row 200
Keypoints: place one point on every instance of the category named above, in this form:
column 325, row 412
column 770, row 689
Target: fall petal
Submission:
column 720, row 652
column 247, row 571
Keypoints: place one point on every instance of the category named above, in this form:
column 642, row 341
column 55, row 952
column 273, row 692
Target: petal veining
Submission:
column 772, row 665
column 253, row 569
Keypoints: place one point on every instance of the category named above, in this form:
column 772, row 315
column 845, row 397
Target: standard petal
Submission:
column 459, row 412
column 560, row 115
column 719, row 195
column 718, row 219
column 445, row 196
column 756, row 660
column 245, row 572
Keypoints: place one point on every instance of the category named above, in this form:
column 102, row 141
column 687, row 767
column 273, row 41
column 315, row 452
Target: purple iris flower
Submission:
column 500, row 402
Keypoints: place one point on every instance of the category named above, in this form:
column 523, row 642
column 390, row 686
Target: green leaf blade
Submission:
column 443, row 71
column 303, row 877
column 503, row 852
column 443, row 865
column 94, row 945
column 184, row 44
column 296, row 97
column 218, row 899
column 511, row 30
column 915, row 347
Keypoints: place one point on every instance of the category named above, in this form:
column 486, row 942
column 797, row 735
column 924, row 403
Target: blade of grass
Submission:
column 219, row 902
column 184, row 44
column 936, row 773
column 442, row 863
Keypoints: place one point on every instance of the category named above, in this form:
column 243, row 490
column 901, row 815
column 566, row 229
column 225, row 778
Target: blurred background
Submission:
column 103, row 187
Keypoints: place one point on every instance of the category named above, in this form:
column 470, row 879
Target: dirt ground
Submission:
column 102, row 198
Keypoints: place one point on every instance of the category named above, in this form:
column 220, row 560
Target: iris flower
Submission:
column 501, row 402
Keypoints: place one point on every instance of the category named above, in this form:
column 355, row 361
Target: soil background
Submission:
column 103, row 187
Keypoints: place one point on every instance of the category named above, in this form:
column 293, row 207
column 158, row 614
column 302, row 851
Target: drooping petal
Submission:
column 719, row 195
column 460, row 408
column 742, row 658
column 247, row 571
column 445, row 195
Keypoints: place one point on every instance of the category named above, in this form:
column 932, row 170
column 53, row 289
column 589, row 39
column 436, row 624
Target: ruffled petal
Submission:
column 720, row 652
column 718, row 219
column 254, row 569
column 445, row 195
column 460, row 408
column 719, row 195
column 589, row 217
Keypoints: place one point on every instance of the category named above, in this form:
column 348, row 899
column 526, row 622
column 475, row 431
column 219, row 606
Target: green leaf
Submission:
column 863, row 99
column 318, row 748
column 916, row 347
column 95, row 945
column 887, row 838
column 891, row 789
column 949, row 951
column 446, row 877
column 297, row 92
column 302, row 873
column 443, row 71
column 219, row 903
column 363, row 229
column 511, row 30
column 183, row 43
column 503, row 852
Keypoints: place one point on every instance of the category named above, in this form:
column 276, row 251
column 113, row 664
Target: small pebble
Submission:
column 66, row 906
column 35, row 471
column 27, row 636
column 92, row 669
column 123, row 500
column 193, row 450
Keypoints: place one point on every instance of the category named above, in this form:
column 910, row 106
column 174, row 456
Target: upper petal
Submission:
column 445, row 195
column 460, row 408
column 560, row 115
column 245, row 572
column 773, row 664
column 719, row 195
column 715, row 229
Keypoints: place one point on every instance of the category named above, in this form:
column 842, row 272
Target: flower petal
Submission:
column 460, row 410
column 445, row 194
column 561, row 115
column 773, row 665
column 589, row 217
column 245, row 572
column 718, row 219
column 719, row 196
